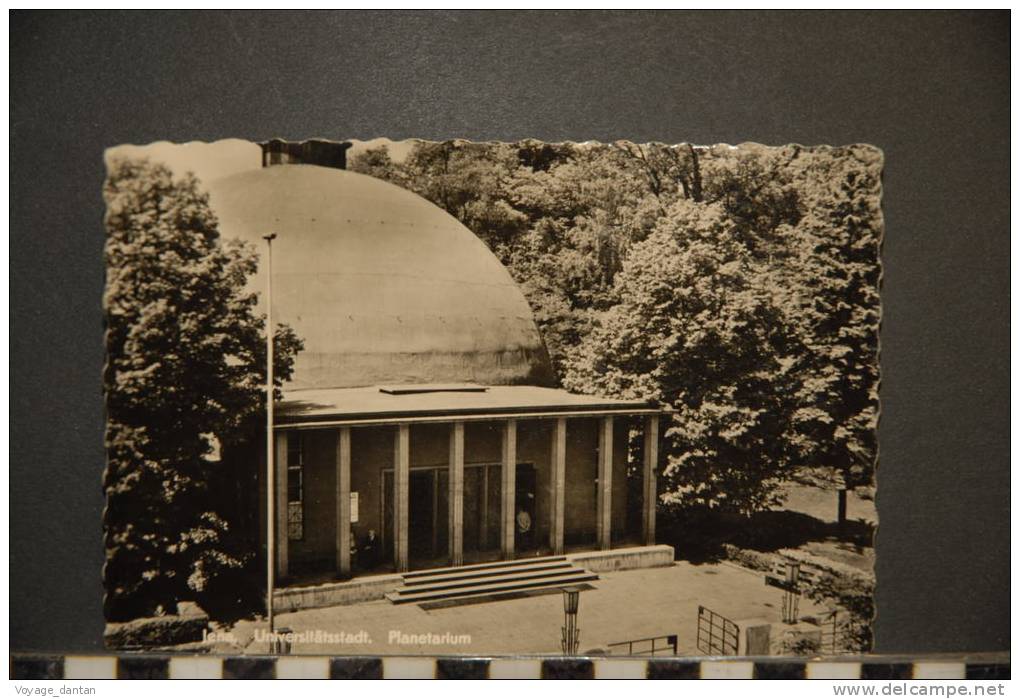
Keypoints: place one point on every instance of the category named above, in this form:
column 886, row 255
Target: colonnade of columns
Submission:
column 401, row 489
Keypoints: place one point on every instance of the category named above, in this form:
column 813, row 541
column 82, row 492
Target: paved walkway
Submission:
column 625, row 605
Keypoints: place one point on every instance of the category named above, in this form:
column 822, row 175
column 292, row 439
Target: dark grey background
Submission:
column 930, row 89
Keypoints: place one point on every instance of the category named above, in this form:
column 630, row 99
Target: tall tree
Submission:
column 804, row 222
column 696, row 329
column 184, row 373
column 471, row 181
column 671, row 170
column 839, row 309
column 376, row 162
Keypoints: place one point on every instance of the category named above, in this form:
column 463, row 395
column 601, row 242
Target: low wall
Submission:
column 187, row 626
column 657, row 556
column 758, row 560
column 364, row 589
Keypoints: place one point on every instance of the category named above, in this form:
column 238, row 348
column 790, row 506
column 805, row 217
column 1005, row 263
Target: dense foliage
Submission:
column 854, row 597
column 184, row 378
column 737, row 285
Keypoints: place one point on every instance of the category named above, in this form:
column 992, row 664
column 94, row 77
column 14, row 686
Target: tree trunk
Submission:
column 695, row 175
column 841, row 507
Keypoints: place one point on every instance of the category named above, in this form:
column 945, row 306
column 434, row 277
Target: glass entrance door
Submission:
column 421, row 520
column 427, row 517
column 525, row 540
column 428, row 512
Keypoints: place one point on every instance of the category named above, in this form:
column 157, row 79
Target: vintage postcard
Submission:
column 519, row 398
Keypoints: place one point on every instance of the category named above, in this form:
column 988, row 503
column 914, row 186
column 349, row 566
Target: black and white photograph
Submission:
column 452, row 397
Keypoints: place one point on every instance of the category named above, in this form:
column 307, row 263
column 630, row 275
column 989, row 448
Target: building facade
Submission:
column 422, row 427
column 481, row 473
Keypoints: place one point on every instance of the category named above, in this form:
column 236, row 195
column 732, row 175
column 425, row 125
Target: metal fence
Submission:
column 832, row 634
column 657, row 645
column 717, row 635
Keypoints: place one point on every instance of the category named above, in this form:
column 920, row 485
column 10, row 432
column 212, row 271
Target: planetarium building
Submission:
column 422, row 428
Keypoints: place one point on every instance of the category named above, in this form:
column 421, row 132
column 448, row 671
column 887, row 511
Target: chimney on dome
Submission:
column 310, row 152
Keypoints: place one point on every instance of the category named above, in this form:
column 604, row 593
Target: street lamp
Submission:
column 571, row 635
column 270, row 451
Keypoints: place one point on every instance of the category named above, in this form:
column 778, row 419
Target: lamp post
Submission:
column 571, row 635
column 270, row 451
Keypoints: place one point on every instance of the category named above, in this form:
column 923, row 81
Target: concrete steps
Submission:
column 483, row 570
column 499, row 578
column 537, row 560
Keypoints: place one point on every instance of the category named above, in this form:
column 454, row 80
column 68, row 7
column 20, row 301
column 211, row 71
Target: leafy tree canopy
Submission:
column 738, row 285
column 184, row 375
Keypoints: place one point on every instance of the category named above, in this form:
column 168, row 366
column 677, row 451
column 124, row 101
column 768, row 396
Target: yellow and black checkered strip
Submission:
column 82, row 667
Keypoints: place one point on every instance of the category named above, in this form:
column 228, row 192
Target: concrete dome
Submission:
column 382, row 285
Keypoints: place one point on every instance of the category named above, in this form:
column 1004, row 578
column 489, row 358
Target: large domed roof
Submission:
column 382, row 285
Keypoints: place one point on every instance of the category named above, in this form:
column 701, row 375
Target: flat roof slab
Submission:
column 389, row 403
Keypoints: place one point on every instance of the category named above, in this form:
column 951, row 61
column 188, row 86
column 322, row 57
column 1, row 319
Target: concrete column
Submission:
column 557, row 492
column 282, row 538
column 343, row 502
column 604, row 506
column 483, row 527
column 651, row 467
column 401, row 487
column 508, row 489
column 456, row 496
